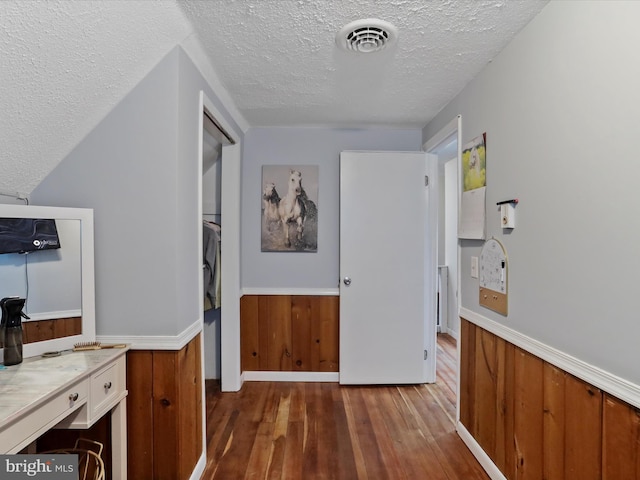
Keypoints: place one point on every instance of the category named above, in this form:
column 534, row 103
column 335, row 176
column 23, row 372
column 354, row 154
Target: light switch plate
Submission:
column 474, row 267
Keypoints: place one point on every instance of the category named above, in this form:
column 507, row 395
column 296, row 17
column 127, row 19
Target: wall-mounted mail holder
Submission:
column 508, row 213
column 494, row 271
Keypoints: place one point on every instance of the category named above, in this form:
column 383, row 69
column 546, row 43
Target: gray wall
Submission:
column 559, row 106
column 304, row 146
column 138, row 171
column 187, row 163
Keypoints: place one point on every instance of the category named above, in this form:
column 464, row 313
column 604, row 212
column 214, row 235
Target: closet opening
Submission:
column 214, row 138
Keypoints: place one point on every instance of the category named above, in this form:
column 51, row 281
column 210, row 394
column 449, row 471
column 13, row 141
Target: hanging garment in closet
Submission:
column 211, row 264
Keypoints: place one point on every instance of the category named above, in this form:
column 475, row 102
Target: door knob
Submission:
column 347, row 281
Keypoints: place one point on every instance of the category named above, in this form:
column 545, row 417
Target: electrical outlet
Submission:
column 474, row 267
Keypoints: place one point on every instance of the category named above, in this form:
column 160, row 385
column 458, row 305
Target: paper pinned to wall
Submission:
column 472, row 214
column 474, row 186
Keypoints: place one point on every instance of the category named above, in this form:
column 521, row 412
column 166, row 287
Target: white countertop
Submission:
column 36, row 379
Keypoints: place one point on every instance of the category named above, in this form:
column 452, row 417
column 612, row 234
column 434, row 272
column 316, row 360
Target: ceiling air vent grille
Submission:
column 366, row 36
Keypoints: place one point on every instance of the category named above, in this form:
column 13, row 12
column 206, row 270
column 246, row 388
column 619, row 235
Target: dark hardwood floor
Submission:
column 327, row 431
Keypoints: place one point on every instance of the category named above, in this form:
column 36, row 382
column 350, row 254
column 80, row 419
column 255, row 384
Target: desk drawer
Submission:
column 106, row 389
column 43, row 417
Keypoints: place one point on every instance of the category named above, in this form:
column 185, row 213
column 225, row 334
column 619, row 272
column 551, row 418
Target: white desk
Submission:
column 73, row 390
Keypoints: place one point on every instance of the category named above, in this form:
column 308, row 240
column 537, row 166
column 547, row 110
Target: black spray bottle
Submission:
column 11, row 329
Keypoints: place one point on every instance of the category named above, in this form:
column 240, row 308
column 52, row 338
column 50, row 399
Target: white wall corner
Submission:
column 155, row 342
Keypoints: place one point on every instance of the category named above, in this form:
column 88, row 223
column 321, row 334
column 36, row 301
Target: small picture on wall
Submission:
column 290, row 208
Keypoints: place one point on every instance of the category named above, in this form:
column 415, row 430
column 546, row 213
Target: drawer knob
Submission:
column 107, row 385
column 73, row 397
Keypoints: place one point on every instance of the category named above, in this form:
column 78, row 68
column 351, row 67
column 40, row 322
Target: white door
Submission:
column 388, row 267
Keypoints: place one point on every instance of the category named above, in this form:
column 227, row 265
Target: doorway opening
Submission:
column 218, row 205
column 214, row 139
column 446, row 146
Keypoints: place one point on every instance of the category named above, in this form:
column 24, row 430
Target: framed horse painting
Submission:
column 289, row 208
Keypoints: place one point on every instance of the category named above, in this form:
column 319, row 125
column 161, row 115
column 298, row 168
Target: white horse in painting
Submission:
column 292, row 207
column 270, row 205
column 474, row 160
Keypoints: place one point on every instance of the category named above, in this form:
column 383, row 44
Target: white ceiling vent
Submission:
column 366, row 36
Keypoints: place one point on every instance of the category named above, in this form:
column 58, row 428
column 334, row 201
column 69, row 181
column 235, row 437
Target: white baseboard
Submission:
column 453, row 333
column 155, row 342
column 477, row 451
column 610, row 383
column 271, row 376
column 199, row 468
column 327, row 292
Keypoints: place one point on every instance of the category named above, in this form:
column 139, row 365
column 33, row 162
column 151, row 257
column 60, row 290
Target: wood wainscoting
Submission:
column 40, row 330
column 289, row 333
column 164, row 412
column 536, row 421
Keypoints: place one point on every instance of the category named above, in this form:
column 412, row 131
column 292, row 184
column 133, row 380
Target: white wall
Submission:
column 188, row 167
column 559, row 106
column 304, row 146
column 138, row 171
column 125, row 170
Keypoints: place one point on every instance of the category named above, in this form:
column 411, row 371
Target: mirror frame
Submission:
column 87, row 272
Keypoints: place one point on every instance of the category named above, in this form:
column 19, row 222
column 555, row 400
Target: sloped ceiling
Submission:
column 279, row 61
column 66, row 64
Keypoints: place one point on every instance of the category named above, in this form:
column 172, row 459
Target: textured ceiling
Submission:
column 279, row 61
column 67, row 63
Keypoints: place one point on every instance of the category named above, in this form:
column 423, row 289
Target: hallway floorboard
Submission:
column 326, row 431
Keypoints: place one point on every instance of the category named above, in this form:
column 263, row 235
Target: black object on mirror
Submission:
column 11, row 329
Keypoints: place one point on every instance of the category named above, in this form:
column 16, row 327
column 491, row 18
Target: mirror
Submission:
column 58, row 283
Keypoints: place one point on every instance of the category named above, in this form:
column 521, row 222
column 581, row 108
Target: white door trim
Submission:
column 451, row 128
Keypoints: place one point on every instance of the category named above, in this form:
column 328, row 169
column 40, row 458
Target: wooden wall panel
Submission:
column 495, row 399
column 164, row 412
column 165, row 415
column 275, row 310
column 621, row 440
column 508, row 457
column 199, row 406
column 503, row 402
column 40, row 330
column 140, row 413
column 491, row 412
column 302, row 309
column 467, row 374
column 554, row 422
column 485, row 399
column 325, row 333
column 249, row 333
column 583, row 430
column 527, row 426
column 536, row 421
column 190, row 445
column 289, row 333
